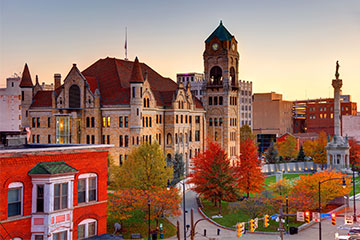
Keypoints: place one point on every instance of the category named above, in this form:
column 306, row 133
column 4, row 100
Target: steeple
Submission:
column 136, row 75
column 26, row 78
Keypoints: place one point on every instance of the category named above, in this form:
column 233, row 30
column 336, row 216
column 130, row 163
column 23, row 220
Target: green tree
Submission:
column 287, row 148
column 144, row 169
column 301, row 155
column 246, row 133
column 271, row 154
column 179, row 168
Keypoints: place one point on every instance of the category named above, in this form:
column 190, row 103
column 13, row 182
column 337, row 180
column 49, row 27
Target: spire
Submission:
column 26, row 78
column 136, row 75
column 37, row 80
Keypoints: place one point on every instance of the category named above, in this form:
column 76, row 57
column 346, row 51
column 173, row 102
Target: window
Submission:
column 121, row 141
column 126, row 140
column 39, row 237
column 74, row 96
column 38, row 138
column 87, row 122
column 40, row 198
column 210, row 100
column 63, row 129
column 22, row 95
column 220, row 100
column 103, row 139
column 215, row 100
column 133, row 92
column 60, row 196
column 197, row 135
column 49, row 138
column 87, row 139
column 121, row 122
column 181, row 118
column 60, row 236
column 220, row 121
column 87, row 228
column 126, row 122
column 87, row 187
column 215, row 122
column 15, row 199
column 197, row 119
column 120, row 160
column 92, row 139
column 92, row 122
column 49, row 122
column 104, row 121
column 33, row 122
column 177, row 119
column 108, row 139
column 190, row 119
column 210, row 122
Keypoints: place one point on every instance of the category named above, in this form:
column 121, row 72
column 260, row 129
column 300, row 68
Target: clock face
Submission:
column 215, row 46
column 233, row 46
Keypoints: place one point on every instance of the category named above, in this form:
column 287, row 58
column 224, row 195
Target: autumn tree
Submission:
column 144, row 169
column 287, row 148
column 248, row 171
column 163, row 202
column 271, row 154
column 281, row 187
column 252, row 207
column 212, row 176
column 316, row 148
column 354, row 154
column 305, row 195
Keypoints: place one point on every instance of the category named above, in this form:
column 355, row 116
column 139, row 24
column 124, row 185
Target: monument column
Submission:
column 337, row 84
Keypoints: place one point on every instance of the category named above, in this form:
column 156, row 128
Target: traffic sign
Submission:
column 326, row 215
column 300, row 217
column 316, row 216
column 349, row 220
column 273, row 217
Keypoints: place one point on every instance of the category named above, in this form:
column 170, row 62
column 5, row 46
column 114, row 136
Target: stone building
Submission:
column 221, row 90
column 117, row 102
column 246, row 103
column 10, row 109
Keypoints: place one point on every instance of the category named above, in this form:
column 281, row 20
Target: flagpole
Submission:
column 126, row 43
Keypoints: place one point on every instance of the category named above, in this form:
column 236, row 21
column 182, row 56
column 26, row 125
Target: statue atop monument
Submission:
column 337, row 70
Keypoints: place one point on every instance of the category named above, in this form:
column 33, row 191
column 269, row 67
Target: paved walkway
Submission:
column 328, row 230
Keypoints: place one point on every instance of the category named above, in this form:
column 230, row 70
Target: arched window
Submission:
column 87, row 228
column 168, row 139
column 232, row 76
column 176, row 138
column 15, row 199
column 148, row 102
column 92, row 122
column 144, row 102
column 216, row 75
column 210, row 122
column 87, row 122
column 74, row 96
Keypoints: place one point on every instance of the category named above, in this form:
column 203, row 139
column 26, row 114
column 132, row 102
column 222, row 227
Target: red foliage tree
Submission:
column 249, row 176
column 354, row 153
column 212, row 175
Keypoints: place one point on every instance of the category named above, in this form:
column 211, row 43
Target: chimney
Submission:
column 57, row 80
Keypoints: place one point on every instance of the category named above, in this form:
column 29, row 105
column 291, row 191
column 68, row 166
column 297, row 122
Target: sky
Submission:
column 289, row 47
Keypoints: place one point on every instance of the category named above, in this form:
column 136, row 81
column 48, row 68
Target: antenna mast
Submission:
column 126, row 58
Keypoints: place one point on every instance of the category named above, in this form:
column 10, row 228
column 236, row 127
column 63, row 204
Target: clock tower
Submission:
column 221, row 90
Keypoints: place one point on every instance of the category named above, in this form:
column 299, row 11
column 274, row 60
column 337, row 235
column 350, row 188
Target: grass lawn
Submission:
column 140, row 225
column 289, row 176
column 230, row 219
column 357, row 186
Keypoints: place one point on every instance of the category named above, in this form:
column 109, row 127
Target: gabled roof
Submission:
column 26, row 78
column 113, row 77
column 42, row 99
column 221, row 33
column 57, row 167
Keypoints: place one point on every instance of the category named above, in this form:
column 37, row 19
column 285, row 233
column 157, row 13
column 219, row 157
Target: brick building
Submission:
column 53, row 192
column 316, row 115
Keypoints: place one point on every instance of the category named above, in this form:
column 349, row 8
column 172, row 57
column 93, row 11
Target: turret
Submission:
column 26, row 87
column 136, row 88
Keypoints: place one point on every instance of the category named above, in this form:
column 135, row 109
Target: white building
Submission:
column 196, row 82
column 246, row 103
column 10, row 109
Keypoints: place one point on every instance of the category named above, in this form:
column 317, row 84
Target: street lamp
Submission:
column 320, row 182
column 183, row 183
column 149, row 237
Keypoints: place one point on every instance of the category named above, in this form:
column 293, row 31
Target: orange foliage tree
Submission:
column 305, row 193
column 316, row 148
column 163, row 202
column 249, row 176
column 212, row 176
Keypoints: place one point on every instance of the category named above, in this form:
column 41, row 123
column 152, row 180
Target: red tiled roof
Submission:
column 26, row 78
column 92, row 83
column 42, row 99
column 114, row 75
column 198, row 103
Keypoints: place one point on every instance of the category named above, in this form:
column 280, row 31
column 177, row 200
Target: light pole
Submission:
column 353, row 169
column 320, row 182
column 184, row 208
column 149, row 237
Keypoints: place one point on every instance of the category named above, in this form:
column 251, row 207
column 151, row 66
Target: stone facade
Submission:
column 10, row 105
